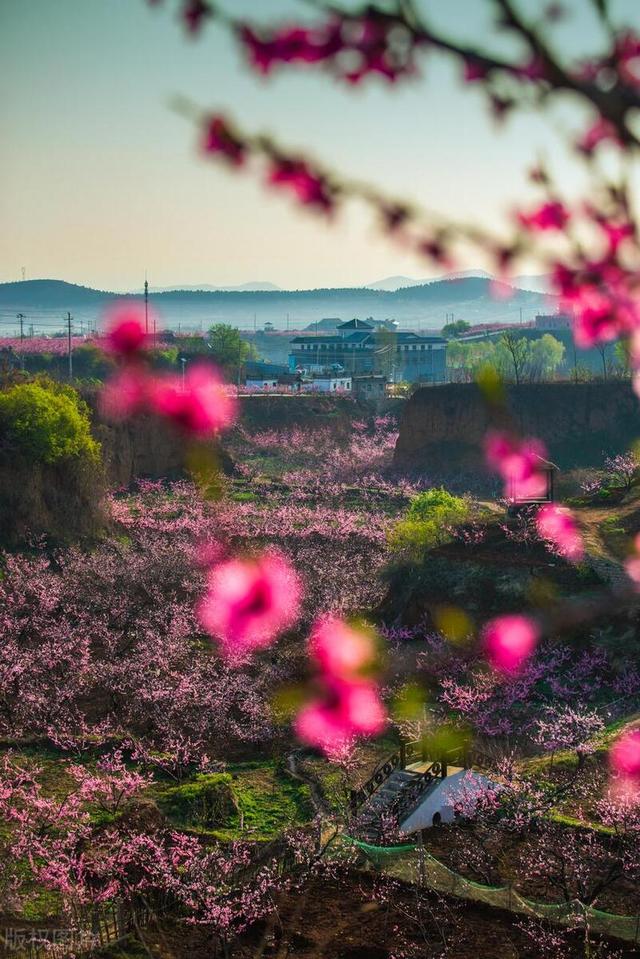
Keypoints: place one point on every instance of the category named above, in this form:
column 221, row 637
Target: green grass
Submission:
column 254, row 800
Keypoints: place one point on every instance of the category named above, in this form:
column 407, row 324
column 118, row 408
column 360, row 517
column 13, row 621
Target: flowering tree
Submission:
column 138, row 669
column 594, row 262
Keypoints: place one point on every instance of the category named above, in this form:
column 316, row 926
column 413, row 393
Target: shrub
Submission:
column 435, row 503
column 207, row 801
column 46, row 422
column 428, row 521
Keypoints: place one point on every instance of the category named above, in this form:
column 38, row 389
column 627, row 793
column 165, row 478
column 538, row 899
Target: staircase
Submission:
column 398, row 796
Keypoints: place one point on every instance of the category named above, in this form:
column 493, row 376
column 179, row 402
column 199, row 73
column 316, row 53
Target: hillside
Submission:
column 45, row 301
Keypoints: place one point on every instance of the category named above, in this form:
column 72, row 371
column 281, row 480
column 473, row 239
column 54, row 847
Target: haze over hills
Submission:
column 45, row 303
column 252, row 287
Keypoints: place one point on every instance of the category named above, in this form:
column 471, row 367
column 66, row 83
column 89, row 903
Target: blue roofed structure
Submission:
column 358, row 347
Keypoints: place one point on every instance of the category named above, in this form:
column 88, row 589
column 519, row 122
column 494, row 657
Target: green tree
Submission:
column 622, row 358
column 466, row 357
column 512, row 355
column 227, row 347
column 455, row 328
column 428, row 522
column 46, row 422
column 545, row 356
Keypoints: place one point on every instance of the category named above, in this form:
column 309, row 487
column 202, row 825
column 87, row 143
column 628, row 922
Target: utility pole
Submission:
column 21, row 319
column 69, row 346
column 146, row 305
column 287, row 322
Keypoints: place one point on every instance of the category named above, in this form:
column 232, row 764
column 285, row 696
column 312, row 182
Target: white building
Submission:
column 262, row 384
column 329, row 383
column 440, row 803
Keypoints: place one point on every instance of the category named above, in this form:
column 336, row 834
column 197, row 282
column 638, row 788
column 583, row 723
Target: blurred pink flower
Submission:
column 220, row 138
column 518, row 462
column 632, row 565
column 473, row 69
column 201, row 406
column 598, row 132
column 126, row 333
column 628, row 56
column 194, row 13
column 340, row 650
column 124, row 393
column 624, row 755
column 247, row 602
column 558, row 526
column 308, row 186
column 509, row 640
column 349, row 709
column 552, row 215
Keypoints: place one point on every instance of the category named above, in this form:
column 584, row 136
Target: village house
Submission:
column 357, row 347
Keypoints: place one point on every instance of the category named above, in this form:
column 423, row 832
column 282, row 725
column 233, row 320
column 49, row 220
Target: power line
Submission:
column 70, row 347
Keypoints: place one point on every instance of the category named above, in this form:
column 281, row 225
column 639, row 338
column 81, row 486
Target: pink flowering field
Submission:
column 224, row 713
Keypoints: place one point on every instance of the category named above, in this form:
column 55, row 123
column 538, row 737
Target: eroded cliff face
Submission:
column 145, row 446
column 442, row 428
column 314, row 410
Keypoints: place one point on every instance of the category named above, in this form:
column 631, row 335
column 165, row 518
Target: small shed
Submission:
column 522, row 494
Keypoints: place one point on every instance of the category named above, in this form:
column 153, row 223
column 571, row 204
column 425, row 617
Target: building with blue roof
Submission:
column 357, row 347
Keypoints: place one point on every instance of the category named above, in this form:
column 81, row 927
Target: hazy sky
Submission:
column 100, row 179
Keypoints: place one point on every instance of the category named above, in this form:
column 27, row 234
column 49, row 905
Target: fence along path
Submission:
column 99, row 926
column 414, row 865
column 90, row 929
column 108, row 925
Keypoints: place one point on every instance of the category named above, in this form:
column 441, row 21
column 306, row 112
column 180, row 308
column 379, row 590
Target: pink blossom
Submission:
column 533, row 69
column 124, row 393
column 624, row 756
column 518, row 462
column 202, row 405
column 354, row 47
column 474, row 70
column 194, row 13
column 558, row 526
column 615, row 233
column 309, row 187
column 126, row 332
column 509, row 641
column 552, row 215
column 248, row 602
column 340, row 650
column 221, row 139
column 348, row 709
column 597, row 133
column 628, row 57
column 291, row 44
column 601, row 295
column 632, row 565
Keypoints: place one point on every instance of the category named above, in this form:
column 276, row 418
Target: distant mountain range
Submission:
column 253, row 287
column 428, row 305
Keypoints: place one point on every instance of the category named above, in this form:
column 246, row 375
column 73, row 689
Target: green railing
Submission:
column 413, row 864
